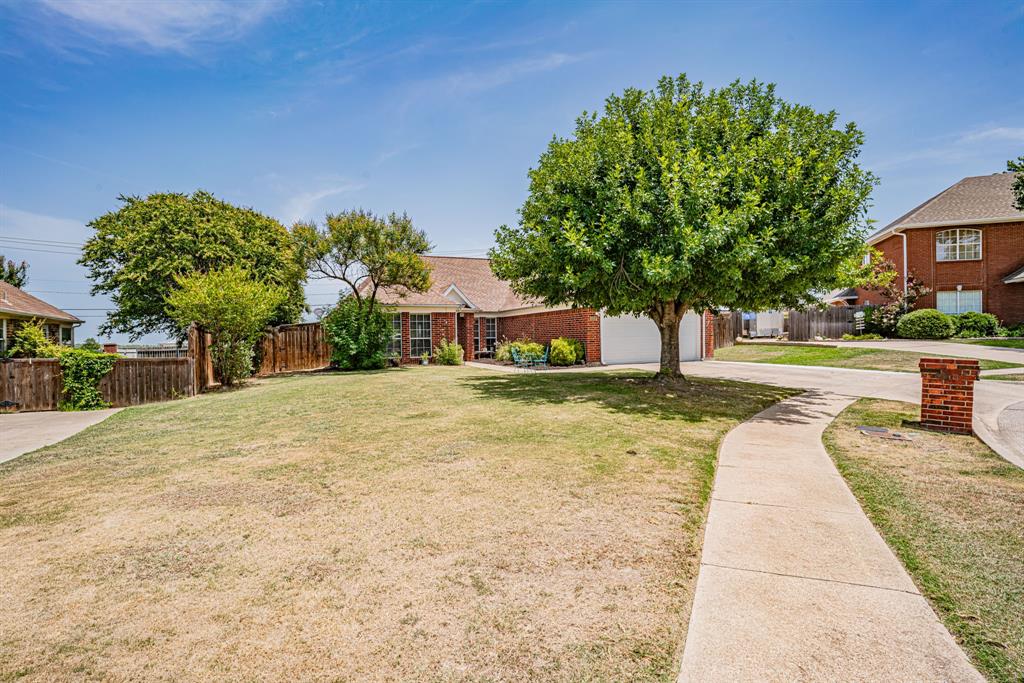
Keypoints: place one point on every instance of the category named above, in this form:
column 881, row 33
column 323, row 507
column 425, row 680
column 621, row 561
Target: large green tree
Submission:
column 1018, row 184
column 13, row 273
column 366, row 252
column 685, row 198
column 139, row 251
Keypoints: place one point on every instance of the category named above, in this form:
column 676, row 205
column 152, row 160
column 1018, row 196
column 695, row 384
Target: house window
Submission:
column 395, row 344
column 419, row 334
column 476, row 333
column 66, row 336
column 956, row 302
column 959, row 244
column 490, row 333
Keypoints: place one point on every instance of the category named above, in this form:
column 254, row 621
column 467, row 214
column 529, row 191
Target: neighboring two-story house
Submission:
column 966, row 244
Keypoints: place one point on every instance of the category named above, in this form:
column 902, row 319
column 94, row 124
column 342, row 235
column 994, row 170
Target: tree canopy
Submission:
column 1018, row 184
column 366, row 252
column 138, row 252
column 233, row 307
column 13, row 273
column 686, row 198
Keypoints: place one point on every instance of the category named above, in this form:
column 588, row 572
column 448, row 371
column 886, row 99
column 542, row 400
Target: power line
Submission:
column 36, row 240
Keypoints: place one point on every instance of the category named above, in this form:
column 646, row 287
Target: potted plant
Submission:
column 424, row 358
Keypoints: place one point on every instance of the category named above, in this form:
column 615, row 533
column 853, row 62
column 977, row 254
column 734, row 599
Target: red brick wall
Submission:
column 467, row 321
column 442, row 326
column 406, row 345
column 947, row 393
column 578, row 323
column 709, row 334
column 1002, row 252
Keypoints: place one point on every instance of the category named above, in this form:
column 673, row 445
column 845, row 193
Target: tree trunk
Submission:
column 668, row 325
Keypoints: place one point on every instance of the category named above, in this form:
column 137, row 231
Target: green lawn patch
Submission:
column 409, row 524
column 838, row 357
column 951, row 510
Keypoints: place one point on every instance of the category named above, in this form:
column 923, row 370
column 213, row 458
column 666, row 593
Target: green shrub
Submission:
column 566, row 351
column 448, row 353
column 1015, row 330
column 233, row 308
column 358, row 339
column 30, row 341
column 972, row 324
column 81, row 371
column 867, row 336
column 926, row 323
column 562, row 352
column 522, row 346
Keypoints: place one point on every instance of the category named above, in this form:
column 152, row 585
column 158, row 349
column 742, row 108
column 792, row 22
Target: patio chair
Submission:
column 520, row 361
column 541, row 361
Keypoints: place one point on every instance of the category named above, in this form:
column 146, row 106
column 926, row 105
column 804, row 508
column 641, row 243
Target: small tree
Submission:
column 898, row 299
column 1018, row 184
column 13, row 273
column 358, row 338
column 233, row 308
column 91, row 344
column 368, row 253
column 138, row 252
column 30, row 341
column 690, row 199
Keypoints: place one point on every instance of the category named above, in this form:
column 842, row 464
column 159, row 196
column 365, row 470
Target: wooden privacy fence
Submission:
column 293, row 347
column 32, row 384
column 728, row 326
column 830, row 323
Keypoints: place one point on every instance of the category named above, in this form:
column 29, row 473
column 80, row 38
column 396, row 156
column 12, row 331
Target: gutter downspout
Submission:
column 903, row 235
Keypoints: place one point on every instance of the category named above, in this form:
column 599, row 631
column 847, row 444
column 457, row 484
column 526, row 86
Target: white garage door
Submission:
column 626, row 339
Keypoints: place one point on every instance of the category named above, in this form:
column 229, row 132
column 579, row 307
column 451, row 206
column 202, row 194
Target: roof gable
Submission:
column 456, row 280
column 974, row 200
column 18, row 302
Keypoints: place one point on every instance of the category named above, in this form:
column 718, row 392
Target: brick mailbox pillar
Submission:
column 947, row 394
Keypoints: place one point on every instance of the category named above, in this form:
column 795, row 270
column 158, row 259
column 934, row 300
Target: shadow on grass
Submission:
column 632, row 393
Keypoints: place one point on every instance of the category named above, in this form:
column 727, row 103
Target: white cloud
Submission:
column 301, row 206
column 995, row 133
column 175, row 25
column 501, row 74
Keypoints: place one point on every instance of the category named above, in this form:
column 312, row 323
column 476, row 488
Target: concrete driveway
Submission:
column 22, row 433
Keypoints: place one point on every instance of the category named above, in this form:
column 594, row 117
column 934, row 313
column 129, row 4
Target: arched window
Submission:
column 958, row 244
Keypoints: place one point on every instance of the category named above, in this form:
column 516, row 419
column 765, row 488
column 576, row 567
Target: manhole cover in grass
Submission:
column 883, row 433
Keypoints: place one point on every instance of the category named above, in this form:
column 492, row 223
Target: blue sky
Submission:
column 297, row 109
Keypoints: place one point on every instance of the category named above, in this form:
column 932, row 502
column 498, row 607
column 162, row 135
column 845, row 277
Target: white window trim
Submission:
column 957, row 245
column 959, row 294
column 429, row 337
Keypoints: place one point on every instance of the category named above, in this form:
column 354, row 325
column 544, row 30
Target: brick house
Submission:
column 18, row 308
column 467, row 304
column 966, row 244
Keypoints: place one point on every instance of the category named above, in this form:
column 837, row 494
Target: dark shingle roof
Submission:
column 972, row 200
column 13, row 300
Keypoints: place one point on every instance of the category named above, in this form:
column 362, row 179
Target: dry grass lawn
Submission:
column 444, row 524
column 836, row 357
column 953, row 511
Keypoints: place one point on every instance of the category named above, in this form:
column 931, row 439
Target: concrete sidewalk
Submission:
column 795, row 584
column 22, row 433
